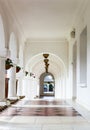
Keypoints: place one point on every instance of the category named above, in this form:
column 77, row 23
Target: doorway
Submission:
column 47, row 85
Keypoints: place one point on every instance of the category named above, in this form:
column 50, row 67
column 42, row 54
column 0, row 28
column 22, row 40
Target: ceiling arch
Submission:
column 36, row 65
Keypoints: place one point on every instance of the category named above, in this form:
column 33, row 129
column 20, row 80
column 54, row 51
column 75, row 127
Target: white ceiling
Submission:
column 45, row 19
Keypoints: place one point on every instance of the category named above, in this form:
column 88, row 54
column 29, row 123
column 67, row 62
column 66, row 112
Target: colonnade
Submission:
column 13, row 90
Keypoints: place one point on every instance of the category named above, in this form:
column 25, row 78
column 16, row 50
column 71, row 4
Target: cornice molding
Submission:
column 46, row 40
column 80, row 11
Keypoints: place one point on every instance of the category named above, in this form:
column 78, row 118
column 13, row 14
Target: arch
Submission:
column 13, row 47
column 35, row 59
column 2, row 37
column 57, row 68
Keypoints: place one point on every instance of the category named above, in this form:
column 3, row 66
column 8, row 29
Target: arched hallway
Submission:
column 44, row 64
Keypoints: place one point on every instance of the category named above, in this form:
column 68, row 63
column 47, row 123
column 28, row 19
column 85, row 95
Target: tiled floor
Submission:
column 45, row 114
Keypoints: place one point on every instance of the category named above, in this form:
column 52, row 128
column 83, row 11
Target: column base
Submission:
column 13, row 98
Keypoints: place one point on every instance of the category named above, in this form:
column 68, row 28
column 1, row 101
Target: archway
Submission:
column 47, row 85
column 57, row 68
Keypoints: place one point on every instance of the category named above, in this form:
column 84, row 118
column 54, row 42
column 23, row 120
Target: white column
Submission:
column 2, row 78
column 12, row 82
column 19, row 87
column 20, row 76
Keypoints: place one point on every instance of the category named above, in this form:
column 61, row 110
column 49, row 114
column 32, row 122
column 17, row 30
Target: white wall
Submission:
column 83, row 92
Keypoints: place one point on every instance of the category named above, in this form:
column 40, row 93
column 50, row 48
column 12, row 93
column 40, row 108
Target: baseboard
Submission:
column 83, row 103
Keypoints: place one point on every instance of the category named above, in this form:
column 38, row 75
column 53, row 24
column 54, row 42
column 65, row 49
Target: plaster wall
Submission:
column 83, row 89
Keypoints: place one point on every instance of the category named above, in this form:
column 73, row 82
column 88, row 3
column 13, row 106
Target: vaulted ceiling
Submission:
column 45, row 19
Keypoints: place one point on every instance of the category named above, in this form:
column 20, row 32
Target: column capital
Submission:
column 5, row 53
column 2, row 58
column 15, row 61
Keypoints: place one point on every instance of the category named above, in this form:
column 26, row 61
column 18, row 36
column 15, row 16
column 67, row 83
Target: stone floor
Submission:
column 45, row 114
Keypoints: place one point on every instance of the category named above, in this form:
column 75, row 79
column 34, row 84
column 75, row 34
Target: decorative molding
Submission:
column 46, row 40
